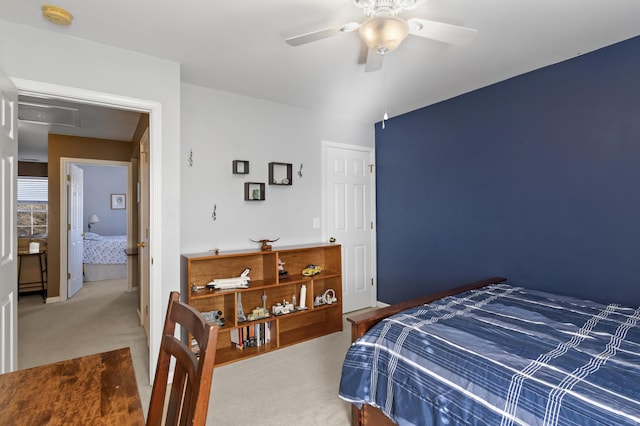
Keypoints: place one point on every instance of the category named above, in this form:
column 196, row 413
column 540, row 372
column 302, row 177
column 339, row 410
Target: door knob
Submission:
column 142, row 244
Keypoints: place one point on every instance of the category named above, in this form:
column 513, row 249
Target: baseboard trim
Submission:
column 54, row 299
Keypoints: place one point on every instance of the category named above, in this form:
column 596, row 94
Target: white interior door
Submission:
column 8, row 230
column 143, row 231
column 75, row 228
column 348, row 217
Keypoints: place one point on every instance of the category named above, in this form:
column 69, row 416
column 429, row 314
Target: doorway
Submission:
column 107, row 244
column 32, row 88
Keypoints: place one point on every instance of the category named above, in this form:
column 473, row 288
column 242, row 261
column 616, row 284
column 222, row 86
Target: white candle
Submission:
column 303, row 296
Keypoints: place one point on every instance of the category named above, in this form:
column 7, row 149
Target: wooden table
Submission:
column 98, row 389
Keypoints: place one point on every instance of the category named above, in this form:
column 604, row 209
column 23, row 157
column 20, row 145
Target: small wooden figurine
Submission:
column 265, row 245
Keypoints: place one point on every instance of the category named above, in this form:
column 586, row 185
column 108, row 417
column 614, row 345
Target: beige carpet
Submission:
column 294, row 385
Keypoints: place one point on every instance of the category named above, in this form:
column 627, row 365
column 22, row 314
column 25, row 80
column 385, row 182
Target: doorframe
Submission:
column 64, row 201
column 154, row 109
column 325, row 214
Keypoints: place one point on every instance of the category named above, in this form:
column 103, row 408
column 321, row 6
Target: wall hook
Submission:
column 190, row 160
column 214, row 216
column 300, row 171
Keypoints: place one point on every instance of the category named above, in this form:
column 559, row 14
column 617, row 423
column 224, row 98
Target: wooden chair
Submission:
column 189, row 397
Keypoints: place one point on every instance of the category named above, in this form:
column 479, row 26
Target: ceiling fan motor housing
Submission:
column 386, row 7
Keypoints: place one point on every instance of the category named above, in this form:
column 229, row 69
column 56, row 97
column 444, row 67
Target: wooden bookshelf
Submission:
column 198, row 269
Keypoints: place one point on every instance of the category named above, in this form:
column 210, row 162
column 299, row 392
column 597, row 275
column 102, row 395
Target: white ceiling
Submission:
column 238, row 46
column 94, row 121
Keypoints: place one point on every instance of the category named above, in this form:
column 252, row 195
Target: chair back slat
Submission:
column 192, row 377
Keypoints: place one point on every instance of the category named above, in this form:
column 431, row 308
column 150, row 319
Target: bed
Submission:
column 494, row 353
column 104, row 257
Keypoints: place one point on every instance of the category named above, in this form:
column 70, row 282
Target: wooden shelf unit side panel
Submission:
column 333, row 258
column 269, row 268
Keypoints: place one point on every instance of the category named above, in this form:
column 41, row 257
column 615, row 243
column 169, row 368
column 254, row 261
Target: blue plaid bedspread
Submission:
column 500, row 355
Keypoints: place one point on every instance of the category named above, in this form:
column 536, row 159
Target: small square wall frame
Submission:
column 240, row 167
column 280, row 174
column 254, row 191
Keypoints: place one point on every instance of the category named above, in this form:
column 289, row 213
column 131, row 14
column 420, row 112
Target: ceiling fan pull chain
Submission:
column 385, row 116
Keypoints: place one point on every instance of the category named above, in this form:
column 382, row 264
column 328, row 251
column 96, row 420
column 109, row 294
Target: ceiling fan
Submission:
column 384, row 30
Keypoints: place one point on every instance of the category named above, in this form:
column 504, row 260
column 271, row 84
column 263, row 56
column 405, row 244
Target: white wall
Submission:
column 53, row 58
column 219, row 127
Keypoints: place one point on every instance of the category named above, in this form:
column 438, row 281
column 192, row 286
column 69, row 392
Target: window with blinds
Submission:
column 33, row 206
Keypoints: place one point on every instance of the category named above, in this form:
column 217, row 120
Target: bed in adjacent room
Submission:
column 104, row 257
column 494, row 353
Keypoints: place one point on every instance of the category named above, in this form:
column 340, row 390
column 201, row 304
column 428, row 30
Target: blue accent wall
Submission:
column 536, row 178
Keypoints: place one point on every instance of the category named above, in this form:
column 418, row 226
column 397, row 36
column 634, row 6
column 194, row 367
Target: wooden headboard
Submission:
column 360, row 323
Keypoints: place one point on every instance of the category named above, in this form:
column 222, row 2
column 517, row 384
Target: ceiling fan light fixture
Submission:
column 384, row 33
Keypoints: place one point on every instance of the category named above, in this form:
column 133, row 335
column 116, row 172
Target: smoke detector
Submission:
column 57, row 15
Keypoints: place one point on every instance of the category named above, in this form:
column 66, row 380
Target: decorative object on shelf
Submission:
column 242, row 281
column 241, row 317
column 327, row 298
column 264, row 300
column 280, row 173
column 190, row 159
column 300, row 171
column 240, row 167
column 93, row 219
column 281, row 270
column 258, row 313
column 311, row 270
column 254, row 191
column 283, row 308
column 118, row 202
column 214, row 316
column 303, row 297
column 265, row 246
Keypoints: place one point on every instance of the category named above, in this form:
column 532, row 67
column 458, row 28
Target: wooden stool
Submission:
column 42, row 260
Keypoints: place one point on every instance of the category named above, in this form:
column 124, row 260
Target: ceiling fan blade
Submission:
column 374, row 61
column 452, row 34
column 364, row 52
column 321, row 34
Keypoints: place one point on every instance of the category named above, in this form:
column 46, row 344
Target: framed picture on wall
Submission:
column 118, row 201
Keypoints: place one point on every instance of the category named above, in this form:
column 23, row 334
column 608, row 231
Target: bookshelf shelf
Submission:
column 239, row 340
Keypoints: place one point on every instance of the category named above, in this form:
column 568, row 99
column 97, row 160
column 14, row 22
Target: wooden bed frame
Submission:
column 360, row 323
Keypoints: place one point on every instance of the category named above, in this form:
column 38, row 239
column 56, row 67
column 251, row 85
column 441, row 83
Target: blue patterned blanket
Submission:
column 104, row 249
column 500, row 355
